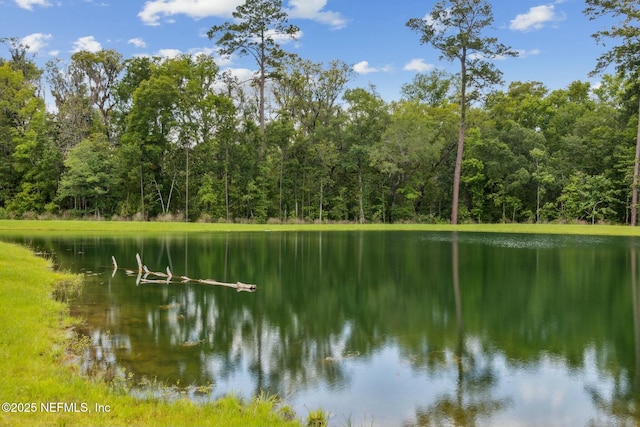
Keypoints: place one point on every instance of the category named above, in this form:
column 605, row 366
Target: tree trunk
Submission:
column 321, row 194
column 538, row 204
column 461, row 132
column 164, row 209
column 141, row 191
column 361, row 196
column 173, row 183
column 186, row 190
column 263, row 79
column 636, row 172
column 226, row 181
column 281, row 178
column 456, row 175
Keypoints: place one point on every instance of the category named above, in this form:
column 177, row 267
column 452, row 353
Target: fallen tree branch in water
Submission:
column 144, row 275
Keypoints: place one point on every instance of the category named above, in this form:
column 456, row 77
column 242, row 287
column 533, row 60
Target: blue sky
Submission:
column 554, row 38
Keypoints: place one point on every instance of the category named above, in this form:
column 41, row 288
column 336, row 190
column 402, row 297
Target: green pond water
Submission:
column 382, row 328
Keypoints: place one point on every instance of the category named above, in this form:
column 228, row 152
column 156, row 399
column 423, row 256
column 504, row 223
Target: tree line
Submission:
column 169, row 138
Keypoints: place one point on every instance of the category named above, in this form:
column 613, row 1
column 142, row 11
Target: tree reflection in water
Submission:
column 446, row 325
column 471, row 400
column 623, row 402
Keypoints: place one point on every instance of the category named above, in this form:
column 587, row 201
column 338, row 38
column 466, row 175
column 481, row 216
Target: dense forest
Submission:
column 178, row 138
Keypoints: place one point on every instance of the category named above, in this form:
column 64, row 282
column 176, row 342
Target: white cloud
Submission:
column 101, row 4
column 137, row 42
column 312, row 9
column 220, row 60
column 535, row 19
column 87, row 43
column 438, row 26
column 418, row 64
column 153, row 10
column 363, row 67
column 169, row 53
column 243, row 76
column 207, row 51
column 36, row 41
column 522, row 53
column 284, row 38
column 28, row 4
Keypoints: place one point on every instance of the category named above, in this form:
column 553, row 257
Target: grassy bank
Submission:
column 133, row 228
column 44, row 391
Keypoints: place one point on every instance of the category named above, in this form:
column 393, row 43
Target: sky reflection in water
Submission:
column 379, row 327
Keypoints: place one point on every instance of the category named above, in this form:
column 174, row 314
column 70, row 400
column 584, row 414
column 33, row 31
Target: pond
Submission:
column 382, row 328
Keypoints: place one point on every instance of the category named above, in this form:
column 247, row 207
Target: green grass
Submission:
column 34, row 337
column 135, row 228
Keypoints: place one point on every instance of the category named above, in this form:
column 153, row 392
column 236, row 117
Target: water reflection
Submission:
column 413, row 328
column 471, row 400
column 622, row 401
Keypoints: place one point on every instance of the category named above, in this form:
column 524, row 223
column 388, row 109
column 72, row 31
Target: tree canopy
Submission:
column 257, row 27
column 626, row 56
column 455, row 28
column 179, row 138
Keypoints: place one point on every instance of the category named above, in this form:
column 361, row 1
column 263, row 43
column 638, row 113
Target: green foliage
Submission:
column 474, row 180
column 317, row 418
column 88, row 182
column 208, row 196
column 29, row 161
column 174, row 137
column 433, row 89
column 257, row 24
column 411, row 150
column 588, row 197
column 626, row 55
column 455, row 29
column 101, row 71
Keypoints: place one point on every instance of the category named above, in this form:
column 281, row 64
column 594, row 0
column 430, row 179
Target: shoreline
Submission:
column 42, row 384
column 124, row 228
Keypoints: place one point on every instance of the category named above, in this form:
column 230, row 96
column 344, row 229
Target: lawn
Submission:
column 128, row 227
column 131, row 227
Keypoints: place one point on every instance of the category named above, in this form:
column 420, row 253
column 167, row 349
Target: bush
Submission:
column 169, row 217
column 4, row 214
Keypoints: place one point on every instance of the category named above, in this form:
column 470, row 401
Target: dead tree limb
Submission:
column 146, row 276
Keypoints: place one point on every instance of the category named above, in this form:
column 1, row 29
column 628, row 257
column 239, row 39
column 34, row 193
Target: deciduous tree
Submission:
column 74, row 116
column 88, row 182
column 367, row 119
column 100, row 71
column 434, row 88
column 626, row 56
